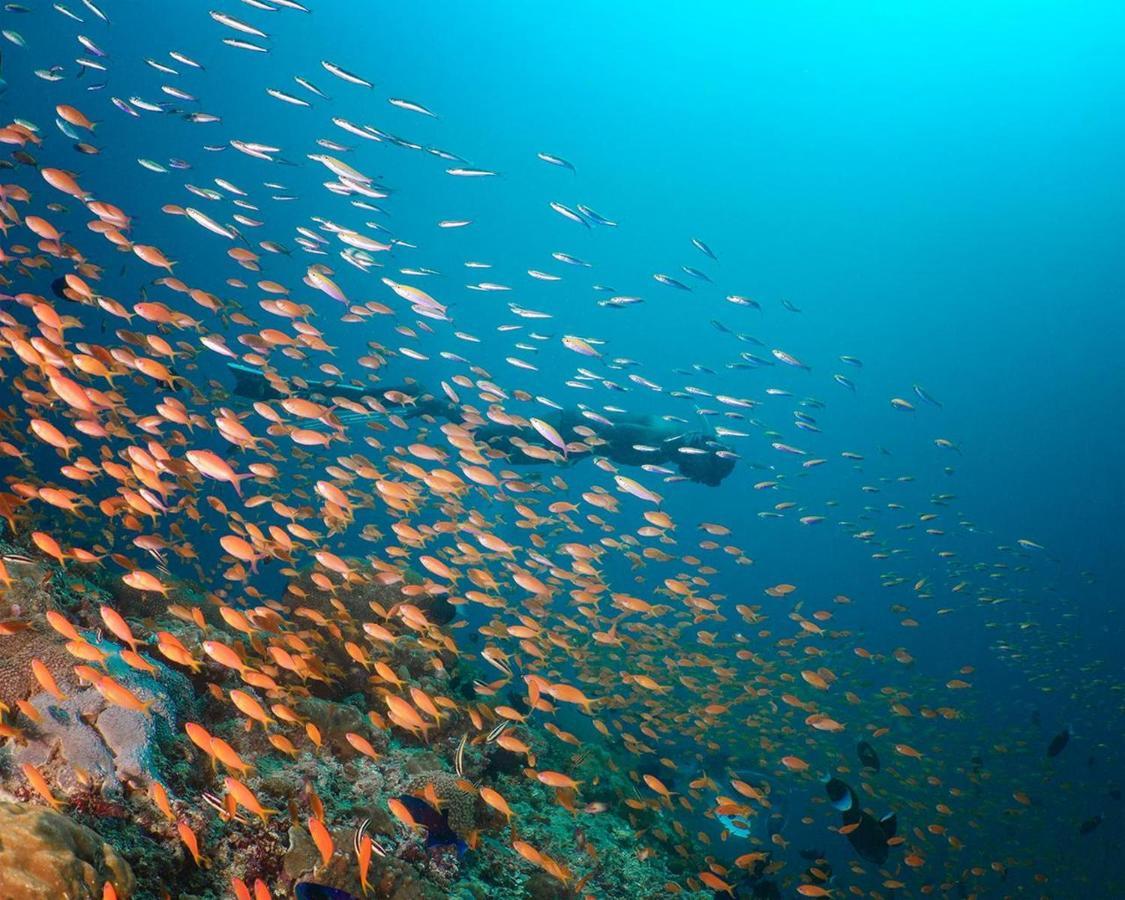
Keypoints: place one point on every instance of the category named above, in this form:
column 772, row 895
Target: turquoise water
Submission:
column 935, row 188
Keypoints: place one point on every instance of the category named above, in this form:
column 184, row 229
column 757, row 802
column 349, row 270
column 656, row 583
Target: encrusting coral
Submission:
column 459, row 804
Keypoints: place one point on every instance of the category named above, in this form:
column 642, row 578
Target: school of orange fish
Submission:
column 160, row 474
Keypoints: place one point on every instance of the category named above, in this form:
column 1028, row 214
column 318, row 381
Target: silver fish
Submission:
column 556, row 161
column 236, row 24
column 345, row 74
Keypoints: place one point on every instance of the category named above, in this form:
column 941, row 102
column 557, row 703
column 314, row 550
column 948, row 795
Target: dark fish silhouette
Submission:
column 61, row 289
column 1090, row 824
column 1059, row 742
column 868, row 756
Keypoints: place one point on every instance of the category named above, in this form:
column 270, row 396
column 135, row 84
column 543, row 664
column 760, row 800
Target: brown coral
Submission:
column 16, row 653
column 28, row 597
column 461, row 805
column 46, row 854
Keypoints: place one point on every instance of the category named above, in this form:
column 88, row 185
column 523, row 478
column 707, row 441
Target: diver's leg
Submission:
column 251, row 383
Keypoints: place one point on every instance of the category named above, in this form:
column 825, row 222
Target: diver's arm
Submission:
column 255, row 384
column 508, row 440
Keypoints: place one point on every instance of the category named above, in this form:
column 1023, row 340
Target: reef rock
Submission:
column 111, row 744
column 460, row 805
column 334, row 720
column 46, row 854
column 83, row 732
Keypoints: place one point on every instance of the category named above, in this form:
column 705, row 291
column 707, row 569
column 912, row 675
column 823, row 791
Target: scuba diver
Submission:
column 631, row 440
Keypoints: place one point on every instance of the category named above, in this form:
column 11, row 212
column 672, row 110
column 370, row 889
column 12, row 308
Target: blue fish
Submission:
column 309, row 890
column 438, row 832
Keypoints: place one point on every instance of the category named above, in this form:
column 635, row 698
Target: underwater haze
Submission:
column 511, row 450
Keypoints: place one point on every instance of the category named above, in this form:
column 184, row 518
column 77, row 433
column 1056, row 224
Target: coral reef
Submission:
column 46, row 854
column 327, row 752
column 460, row 805
column 82, row 739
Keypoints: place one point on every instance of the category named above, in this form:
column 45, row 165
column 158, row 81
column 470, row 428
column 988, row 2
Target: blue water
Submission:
column 937, row 188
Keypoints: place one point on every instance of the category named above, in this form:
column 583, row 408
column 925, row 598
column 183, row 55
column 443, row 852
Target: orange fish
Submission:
column 190, row 841
column 245, row 798
column 46, row 679
column 493, row 799
column 322, row 839
column 399, row 811
column 557, row 780
column 363, row 860
column 39, row 784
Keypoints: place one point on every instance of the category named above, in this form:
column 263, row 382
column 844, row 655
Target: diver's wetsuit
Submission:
column 661, row 443
column 252, row 384
column 706, row 460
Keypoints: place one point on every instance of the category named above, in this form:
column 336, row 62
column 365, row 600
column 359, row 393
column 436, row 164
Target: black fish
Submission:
column 869, row 835
column 841, row 796
column 1090, row 824
column 438, row 832
column 1059, row 742
column 309, row 890
column 62, row 290
column 868, row 756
